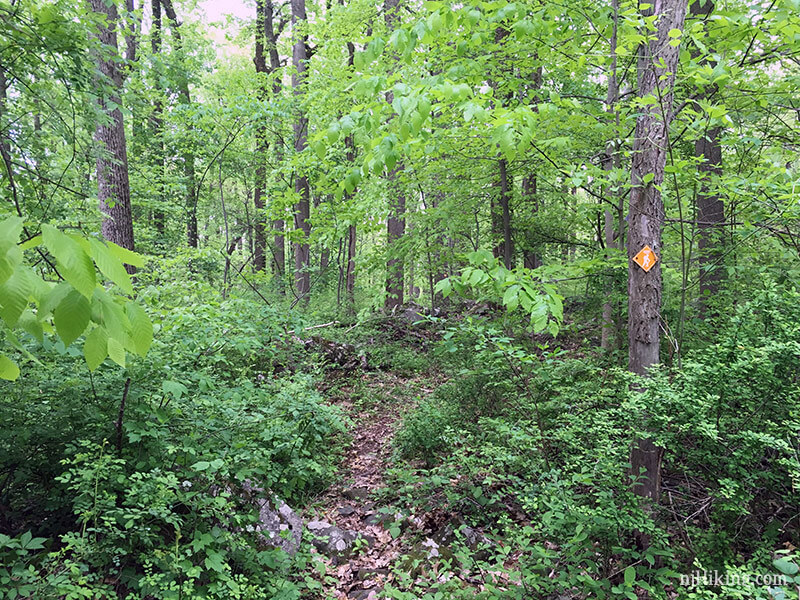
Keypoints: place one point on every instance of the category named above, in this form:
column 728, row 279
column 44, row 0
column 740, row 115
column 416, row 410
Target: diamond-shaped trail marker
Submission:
column 646, row 258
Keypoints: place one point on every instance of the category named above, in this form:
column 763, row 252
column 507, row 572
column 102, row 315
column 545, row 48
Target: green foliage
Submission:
column 426, row 431
column 521, row 288
column 33, row 304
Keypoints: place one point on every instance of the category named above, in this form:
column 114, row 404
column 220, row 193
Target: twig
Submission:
column 292, row 331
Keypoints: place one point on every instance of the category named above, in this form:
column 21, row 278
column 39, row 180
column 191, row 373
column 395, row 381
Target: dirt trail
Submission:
column 349, row 503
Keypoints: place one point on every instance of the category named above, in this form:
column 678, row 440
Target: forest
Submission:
column 402, row 299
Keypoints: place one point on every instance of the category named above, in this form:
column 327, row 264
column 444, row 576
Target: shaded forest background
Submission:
column 219, row 266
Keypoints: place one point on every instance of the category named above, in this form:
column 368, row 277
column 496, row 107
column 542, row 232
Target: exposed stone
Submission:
column 335, row 542
column 446, row 536
column 365, row 573
column 363, row 594
column 346, row 511
column 357, row 493
column 274, row 518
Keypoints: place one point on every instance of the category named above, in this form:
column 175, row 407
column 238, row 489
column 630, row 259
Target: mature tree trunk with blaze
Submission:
column 657, row 62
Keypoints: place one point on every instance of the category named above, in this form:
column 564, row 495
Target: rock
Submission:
column 363, row 594
column 357, row 493
column 365, row 573
column 274, row 517
column 433, row 548
column 446, row 536
column 335, row 542
column 346, row 511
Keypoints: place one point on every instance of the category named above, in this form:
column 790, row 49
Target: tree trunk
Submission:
column 190, row 181
column 532, row 260
column 112, row 160
column 657, row 62
column 395, row 223
column 505, row 193
column 157, row 123
column 610, row 161
column 279, row 251
column 350, row 278
column 302, row 278
column 710, row 209
column 260, row 60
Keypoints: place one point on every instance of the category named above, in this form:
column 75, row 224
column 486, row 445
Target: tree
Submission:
column 157, row 118
column 610, row 160
column 710, row 209
column 260, row 60
column 656, row 65
column 187, row 152
column 112, row 159
column 302, row 277
column 395, row 223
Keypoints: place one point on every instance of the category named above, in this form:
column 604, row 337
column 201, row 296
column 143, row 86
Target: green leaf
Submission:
column 53, row 298
column 174, row 388
column 390, row 160
column 111, row 266
column 114, row 318
column 8, row 262
column 215, row 561
column 126, row 256
column 511, row 297
column 443, row 287
column 786, row 566
column 116, row 351
column 95, row 347
column 31, row 243
column 32, row 325
column 675, row 33
column 74, row 264
column 8, row 368
column 71, row 317
column 630, row 575
column 141, row 328
column 10, row 229
column 14, row 296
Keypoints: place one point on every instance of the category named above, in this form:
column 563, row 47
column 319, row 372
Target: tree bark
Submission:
column 710, row 208
column 279, row 250
column 260, row 60
column 302, row 277
column 112, row 160
column 657, row 62
column 532, row 260
column 610, row 162
column 395, row 223
column 157, row 122
column 505, row 193
column 350, row 276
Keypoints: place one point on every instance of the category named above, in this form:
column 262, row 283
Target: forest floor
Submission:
column 374, row 402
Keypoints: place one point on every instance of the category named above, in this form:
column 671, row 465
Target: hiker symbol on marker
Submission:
column 646, row 258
